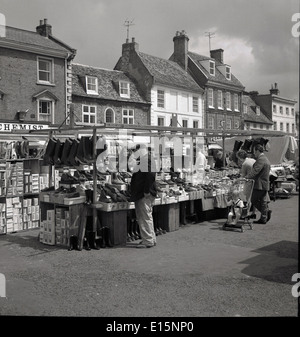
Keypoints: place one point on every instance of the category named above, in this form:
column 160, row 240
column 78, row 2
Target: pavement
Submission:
column 199, row 270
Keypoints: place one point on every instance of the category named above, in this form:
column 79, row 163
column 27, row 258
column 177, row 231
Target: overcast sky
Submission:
column 255, row 34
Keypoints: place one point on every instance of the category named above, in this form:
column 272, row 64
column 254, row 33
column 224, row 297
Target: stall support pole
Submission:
column 95, row 214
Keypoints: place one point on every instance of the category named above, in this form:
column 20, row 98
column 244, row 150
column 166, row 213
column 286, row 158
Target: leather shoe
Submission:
column 269, row 215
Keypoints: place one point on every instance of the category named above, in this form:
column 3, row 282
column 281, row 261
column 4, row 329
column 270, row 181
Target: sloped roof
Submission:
column 169, row 73
column 107, row 83
column 25, row 37
column 219, row 77
column 251, row 115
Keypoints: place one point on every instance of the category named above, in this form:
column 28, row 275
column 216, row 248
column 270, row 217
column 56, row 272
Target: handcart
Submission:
column 245, row 188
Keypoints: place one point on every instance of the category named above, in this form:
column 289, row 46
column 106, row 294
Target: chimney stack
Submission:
column 217, row 54
column 181, row 49
column 44, row 28
column 275, row 90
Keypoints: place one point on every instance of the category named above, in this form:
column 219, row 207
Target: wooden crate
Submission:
column 169, row 217
column 116, row 221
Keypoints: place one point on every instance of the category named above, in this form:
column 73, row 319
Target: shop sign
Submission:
column 8, row 127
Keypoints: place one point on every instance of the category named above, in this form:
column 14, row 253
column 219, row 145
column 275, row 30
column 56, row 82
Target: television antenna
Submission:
column 210, row 35
column 128, row 23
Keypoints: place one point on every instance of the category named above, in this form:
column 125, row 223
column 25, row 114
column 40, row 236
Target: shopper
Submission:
column 143, row 192
column 260, row 172
column 245, row 161
column 200, row 162
column 219, row 160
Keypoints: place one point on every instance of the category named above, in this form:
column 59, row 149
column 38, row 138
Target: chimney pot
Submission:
column 41, row 22
column 133, row 39
column 45, row 21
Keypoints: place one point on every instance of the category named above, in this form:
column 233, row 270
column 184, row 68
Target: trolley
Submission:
column 245, row 188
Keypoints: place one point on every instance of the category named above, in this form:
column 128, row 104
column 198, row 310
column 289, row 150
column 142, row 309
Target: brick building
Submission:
column 35, row 78
column 223, row 91
column 106, row 96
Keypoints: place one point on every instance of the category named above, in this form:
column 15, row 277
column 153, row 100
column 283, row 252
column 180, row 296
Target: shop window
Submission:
column 160, row 121
column 89, row 114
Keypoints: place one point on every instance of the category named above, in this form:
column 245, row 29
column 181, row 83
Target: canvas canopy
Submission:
column 279, row 149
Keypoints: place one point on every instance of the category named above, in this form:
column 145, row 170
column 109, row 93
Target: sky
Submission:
column 256, row 35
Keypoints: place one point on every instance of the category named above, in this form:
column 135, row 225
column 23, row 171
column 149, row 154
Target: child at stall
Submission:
column 236, row 206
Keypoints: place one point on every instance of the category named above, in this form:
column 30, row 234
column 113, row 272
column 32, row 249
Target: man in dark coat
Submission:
column 260, row 172
column 143, row 193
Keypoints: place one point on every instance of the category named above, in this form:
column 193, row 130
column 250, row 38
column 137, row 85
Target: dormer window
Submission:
column 91, row 85
column 228, row 73
column 124, row 89
column 212, row 68
column 257, row 110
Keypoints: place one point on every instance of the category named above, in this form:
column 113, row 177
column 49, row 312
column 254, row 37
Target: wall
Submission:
column 18, row 72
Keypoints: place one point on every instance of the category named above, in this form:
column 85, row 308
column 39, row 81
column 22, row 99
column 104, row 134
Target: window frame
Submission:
column 228, row 73
column 212, row 68
column 236, row 102
column 228, row 100
column 210, row 121
column 113, row 115
column 195, row 100
column 161, row 99
column 210, row 90
column 194, row 126
column 127, row 116
column 124, row 86
column 50, row 71
column 161, row 118
column 93, row 91
column 89, row 114
column 220, row 100
column 51, row 114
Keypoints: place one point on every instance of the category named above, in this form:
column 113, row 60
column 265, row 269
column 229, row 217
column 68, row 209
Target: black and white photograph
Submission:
column 149, row 162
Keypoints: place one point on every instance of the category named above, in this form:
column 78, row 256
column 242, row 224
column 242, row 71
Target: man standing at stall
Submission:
column 143, row 193
column 260, row 173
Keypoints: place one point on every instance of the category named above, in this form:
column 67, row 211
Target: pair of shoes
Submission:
column 260, row 221
column 143, row 245
column 269, row 215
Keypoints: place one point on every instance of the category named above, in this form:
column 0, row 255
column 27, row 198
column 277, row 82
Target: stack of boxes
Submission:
column 14, row 214
column 2, row 179
column 44, row 181
column 31, row 213
column 62, row 230
column 31, row 182
column 47, row 229
column 2, row 218
column 15, row 180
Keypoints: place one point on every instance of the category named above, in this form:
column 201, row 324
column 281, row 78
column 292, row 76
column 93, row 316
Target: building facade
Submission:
column 223, row 91
column 35, row 77
column 280, row 110
column 254, row 118
column 106, row 96
column 176, row 99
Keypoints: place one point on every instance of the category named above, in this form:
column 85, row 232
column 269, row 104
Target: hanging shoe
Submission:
column 66, row 151
column 58, row 151
column 50, row 150
column 72, row 154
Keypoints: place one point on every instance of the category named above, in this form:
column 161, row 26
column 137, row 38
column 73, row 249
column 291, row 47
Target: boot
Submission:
column 80, row 153
column 49, row 153
column 87, row 148
column 73, row 151
column 92, row 240
column 107, row 237
column 58, row 151
column 237, row 145
column 86, row 244
column 247, row 145
column 66, row 151
column 73, row 242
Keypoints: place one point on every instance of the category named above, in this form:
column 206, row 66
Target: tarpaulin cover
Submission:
column 279, row 149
